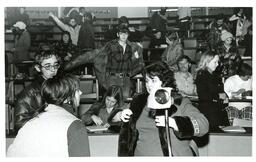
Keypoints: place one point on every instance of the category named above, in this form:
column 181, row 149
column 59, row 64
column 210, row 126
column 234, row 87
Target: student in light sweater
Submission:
column 52, row 131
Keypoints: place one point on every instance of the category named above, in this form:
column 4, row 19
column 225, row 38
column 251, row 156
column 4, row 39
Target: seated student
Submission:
column 184, row 79
column 52, row 131
column 108, row 111
column 241, row 83
column 29, row 100
column 238, row 86
column 64, row 48
column 173, row 51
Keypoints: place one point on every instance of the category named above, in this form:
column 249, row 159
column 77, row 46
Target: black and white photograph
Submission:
column 120, row 80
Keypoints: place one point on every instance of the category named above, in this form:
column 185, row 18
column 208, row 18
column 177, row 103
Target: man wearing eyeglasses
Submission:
column 29, row 100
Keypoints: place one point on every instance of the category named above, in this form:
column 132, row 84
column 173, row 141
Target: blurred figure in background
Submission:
column 184, row 79
column 173, row 51
column 64, row 48
column 22, row 43
column 72, row 27
column 86, row 34
column 216, row 28
column 229, row 57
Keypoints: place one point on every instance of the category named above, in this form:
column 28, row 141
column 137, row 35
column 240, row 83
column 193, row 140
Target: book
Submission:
column 96, row 128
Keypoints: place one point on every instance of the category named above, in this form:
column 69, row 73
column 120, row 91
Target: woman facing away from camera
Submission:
column 108, row 111
column 52, row 131
column 143, row 132
column 210, row 90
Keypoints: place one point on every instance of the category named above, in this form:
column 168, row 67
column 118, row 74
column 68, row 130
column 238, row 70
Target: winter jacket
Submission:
column 28, row 101
column 189, row 120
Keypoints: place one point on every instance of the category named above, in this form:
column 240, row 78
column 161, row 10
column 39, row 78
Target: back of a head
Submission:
column 244, row 69
column 58, row 89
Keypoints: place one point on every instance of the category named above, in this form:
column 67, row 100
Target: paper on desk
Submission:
column 234, row 129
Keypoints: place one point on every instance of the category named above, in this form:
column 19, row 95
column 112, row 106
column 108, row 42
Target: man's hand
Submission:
column 160, row 122
column 126, row 114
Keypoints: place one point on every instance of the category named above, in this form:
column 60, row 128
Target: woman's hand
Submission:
column 126, row 114
column 160, row 122
column 97, row 120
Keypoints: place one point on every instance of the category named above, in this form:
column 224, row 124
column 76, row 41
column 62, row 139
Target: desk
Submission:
column 213, row 144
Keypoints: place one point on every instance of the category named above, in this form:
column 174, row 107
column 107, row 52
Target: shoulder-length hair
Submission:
column 116, row 92
column 58, row 89
column 205, row 59
column 161, row 70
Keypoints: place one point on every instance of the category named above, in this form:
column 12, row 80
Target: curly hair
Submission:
column 44, row 54
column 161, row 70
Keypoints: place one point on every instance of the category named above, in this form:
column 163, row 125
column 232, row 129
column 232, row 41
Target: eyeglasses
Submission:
column 49, row 67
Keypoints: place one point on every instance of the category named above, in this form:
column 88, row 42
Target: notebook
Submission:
column 234, row 129
column 96, row 128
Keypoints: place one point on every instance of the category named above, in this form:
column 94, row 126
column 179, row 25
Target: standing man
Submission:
column 115, row 63
column 119, row 61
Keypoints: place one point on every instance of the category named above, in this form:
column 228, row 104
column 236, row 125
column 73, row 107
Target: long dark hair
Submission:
column 161, row 70
column 116, row 92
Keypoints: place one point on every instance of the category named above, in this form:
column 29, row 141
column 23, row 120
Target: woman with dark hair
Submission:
column 107, row 111
column 210, row 91
column 143, row 133
column 52, row 130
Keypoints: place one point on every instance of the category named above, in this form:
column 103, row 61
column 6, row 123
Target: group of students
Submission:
column 52, row 129
column 54, row 98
